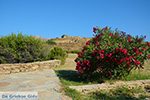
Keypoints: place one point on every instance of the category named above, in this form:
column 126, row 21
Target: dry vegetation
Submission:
column 70, row 43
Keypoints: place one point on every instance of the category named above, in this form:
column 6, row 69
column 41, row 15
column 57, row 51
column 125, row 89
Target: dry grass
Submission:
column 72, row 43
column 69, row 64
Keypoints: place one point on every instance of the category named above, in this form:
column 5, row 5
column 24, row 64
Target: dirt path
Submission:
column 69, row 64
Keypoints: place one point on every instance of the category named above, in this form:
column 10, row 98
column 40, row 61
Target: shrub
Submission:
column 60, row 58
column 112, row 54
column 57, row 53
column 20, row 49
column 51, row 42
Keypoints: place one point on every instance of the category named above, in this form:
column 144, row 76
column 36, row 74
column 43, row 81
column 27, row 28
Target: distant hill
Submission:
column 68, row 42
column 42, row 38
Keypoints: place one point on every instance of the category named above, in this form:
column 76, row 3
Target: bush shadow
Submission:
column 72, row 75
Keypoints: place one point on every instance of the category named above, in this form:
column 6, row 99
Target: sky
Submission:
column 53, row 18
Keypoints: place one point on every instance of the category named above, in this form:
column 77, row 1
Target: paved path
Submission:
column 43, row 81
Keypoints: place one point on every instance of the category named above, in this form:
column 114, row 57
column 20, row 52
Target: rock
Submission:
column 7, row 68
column 35, row 67
column 4, row 72
column 47, row 67
column 4, row 84
column 15, row 71
column 65, row 36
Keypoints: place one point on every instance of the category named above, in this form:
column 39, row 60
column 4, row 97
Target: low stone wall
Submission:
column 107, row 86
column 27, row 67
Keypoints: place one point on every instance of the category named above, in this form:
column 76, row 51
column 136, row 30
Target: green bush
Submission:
column 21, row 49
column 51, row 42
column 57, row 53
column 60, row 58
column 112, row 54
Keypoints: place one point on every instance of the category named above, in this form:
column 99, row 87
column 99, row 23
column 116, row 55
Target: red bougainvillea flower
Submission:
column 116, row 50
column 97, row 42
column 94, row 29
column 105, row 28
column 99, row 48
column 100, row 52
column 100, row 34
column 124, row 51
column 82, row 64
column 111, row 34
column 148, row 43
column 144, row 49
column 129, row 36
column 100, row 66
column 120, row 50
column 149, row 56
column 87, row 43
column 129, row 40
column 84, row 68
column 78, row 63
column 120, row 45
column 137, row 51
column 127, row 59
column 128, row 66
column 110, row 73
column 139, row 40
column 145, row 37
column 121, row 60
column 88, row 62
column 94, row 52
column 82, row 53
column 128, row 62
column 103, row 51
column 118, row 63
column 137, row 63
column 102, row 57
column 110, row 55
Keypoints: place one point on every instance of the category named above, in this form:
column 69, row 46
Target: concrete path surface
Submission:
column 43, row 81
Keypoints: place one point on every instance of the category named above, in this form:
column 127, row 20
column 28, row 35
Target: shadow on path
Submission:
column 72, row 75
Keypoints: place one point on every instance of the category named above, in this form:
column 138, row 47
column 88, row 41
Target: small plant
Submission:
column 112, row 54
column 57, row 53
column 51, row 42
column 123, row 93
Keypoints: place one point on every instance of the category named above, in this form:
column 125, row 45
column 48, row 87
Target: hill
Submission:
column 68, row 42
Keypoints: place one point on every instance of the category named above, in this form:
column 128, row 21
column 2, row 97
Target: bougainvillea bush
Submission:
column 112, row 54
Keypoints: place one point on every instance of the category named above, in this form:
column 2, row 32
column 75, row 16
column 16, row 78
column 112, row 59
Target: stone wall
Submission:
column 107, row 86
column 27, row 67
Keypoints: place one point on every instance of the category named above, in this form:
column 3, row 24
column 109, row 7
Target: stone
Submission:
column 4, row 72
column 7, row 68
column 46, row 67
column 27, row 90
column 15, row 71
column 4, row 84
column 1, row 68
column 15, row 66
column 22, row 69
column 46, row 94
column 35, row 67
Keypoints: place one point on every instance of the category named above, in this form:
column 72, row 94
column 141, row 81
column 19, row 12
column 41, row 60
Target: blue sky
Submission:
column 53, row 18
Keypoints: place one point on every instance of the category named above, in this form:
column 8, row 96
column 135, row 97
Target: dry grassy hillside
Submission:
column 70, row 43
